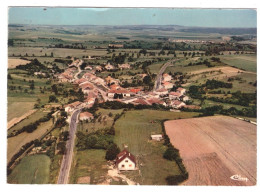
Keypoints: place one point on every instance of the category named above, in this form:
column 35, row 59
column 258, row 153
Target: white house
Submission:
column 123, row 92
column 72, row 106
column 125, row 161
column 184, row 98
column 157, row 137
column 109, row 67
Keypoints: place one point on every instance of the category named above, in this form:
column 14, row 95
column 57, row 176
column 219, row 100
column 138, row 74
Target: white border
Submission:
column 86, row 189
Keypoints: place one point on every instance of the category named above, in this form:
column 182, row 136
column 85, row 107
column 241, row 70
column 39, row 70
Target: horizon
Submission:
column 190, row 17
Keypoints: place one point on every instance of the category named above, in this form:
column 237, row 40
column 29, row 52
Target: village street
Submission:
column 67, row 157
column 157, row 84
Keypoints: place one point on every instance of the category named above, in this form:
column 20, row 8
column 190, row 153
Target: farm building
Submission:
column 181, row 90
column 167, row 77
column 125, row 161
column 157, row 137
column 121, row 92
column 174, row 95
column 85, row 116
column 72, row 106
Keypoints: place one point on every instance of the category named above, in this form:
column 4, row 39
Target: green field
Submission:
column 89, row 163
column 246, row 62
column 15, row 143
column 31, row 170
column 30, row 119
column 134, row 129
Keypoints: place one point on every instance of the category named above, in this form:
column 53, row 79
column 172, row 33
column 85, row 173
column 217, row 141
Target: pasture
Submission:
column 33, row 169
column 134, row 129
column 15, row 143
column 215, row 148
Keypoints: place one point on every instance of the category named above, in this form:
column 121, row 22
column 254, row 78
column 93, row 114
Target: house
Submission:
column 125, row 161
column 88, row 68
column 110, row 81
column 167, row 77
column 115, row 46
column 161, row 91
column 120, row 92
column 174, row 95
column 109, row 67
column 90, row 100
column 156, row 101
column 124, row 66
column 114, row 86
column 99, row 68
column 135, row 90
column 141, row 101
column 184, row 98
column 181, row 90
column 157, row 137
column 177, row 104
column 85, row 116
column 72, row 106
column 167, row 85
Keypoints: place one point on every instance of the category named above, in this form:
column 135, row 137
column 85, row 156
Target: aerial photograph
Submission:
column 132, row 96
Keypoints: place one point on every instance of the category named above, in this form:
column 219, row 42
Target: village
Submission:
column 109, row 89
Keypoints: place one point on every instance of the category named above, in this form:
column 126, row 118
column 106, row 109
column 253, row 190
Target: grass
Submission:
column 89, row 163
column 15, row 143
column 246, row 62
column 208, row 103
column 31, row 170
column 95, row 125
column 55, row 169
column 32, row 118
column 134, row 129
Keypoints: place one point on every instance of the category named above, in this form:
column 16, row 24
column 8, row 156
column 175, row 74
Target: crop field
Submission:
column 15, row 143
column 134, row 129
column 12, row 63
column 31, row 170
column 246, row 62
column 215, row 148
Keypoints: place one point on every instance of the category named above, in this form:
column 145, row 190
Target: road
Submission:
column 157, row 84
column 67, row 157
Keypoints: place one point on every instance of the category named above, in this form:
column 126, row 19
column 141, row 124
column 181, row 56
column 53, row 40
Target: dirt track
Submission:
column 215, row 148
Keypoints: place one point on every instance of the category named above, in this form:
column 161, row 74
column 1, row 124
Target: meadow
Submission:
column 31, row 170
column 134, row 129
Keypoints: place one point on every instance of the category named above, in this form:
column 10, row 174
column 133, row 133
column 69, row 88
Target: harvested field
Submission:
column 18, row 119
column 215, row 148
column 12, row 63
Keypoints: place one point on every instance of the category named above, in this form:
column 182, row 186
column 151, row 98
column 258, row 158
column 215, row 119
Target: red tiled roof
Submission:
column 155, row 101
column 118, row 91
column 135, row 90
column 123, row 154
column 141, row 101
column 176, row 102
column 175, row 93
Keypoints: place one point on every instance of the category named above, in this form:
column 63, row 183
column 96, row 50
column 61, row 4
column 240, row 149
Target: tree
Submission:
column 112, row 151
column 9, row 77
column 32, row 86
column 171, row 153
column 52, row 98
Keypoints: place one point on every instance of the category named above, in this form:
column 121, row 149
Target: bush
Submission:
column 112, row 151
column 171, row 153
column 176, row 179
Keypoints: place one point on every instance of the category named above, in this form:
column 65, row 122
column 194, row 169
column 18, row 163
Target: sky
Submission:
column 133, row 16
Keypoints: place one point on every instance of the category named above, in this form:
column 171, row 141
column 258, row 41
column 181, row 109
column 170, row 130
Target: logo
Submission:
column 238, row 178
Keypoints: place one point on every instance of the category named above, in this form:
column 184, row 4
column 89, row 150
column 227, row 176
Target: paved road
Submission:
column 67, row 158
column 157, row 84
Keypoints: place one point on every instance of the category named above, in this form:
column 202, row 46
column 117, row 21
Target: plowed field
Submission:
column 215, row 148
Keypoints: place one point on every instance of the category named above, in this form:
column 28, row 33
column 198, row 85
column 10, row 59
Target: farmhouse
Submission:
column 167, row 85
column 125, row 161
column 85, row 116
column 109, row 67
column 156, row 101
column 167, row 77
column 115, row 45
column 174, row 95
column 124, row 66
column 177, row 104
column 99, row 68
column 72, row 106
column 184, row 98
column 157, row 137
column 161, row 91
column 181, row 90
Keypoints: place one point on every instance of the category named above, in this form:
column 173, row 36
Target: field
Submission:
column 31, row 170
column 215, row 148
column 15, row 143
column 134, row 129
column 246, row 62
column 89, row 167
column 12, row 63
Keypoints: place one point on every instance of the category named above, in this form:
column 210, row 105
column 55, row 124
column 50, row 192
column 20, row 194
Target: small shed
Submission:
column 157, row 137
